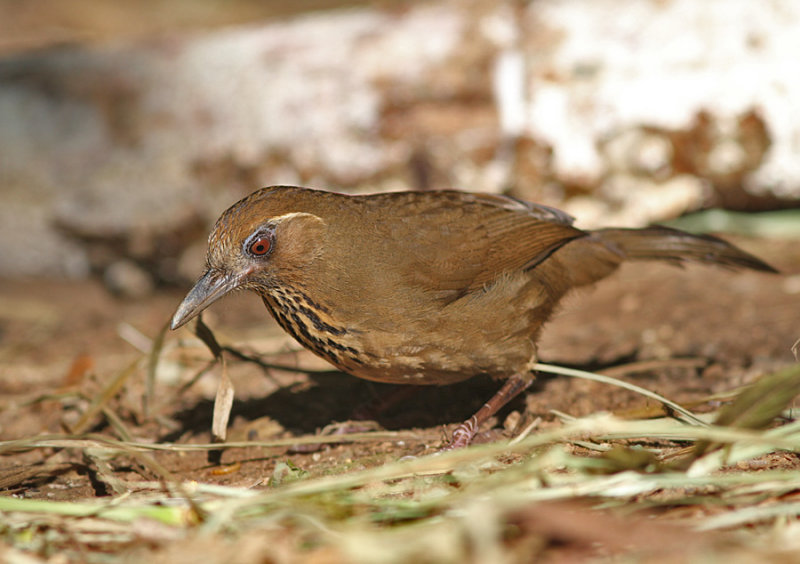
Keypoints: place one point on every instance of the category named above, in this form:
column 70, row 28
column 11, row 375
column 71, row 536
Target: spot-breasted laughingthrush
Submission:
column 422, row 287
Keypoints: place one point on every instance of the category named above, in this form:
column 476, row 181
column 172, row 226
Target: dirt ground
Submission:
column 685, row 333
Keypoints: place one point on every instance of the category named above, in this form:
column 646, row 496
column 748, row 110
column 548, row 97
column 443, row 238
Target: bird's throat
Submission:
column 311, row 325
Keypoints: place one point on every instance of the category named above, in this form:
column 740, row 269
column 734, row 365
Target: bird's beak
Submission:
column 212, row 286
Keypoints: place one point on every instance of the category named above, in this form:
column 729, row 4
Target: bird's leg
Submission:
column 464, row 433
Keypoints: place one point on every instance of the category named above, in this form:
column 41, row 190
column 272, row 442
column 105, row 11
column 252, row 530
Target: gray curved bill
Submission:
column 212, row 286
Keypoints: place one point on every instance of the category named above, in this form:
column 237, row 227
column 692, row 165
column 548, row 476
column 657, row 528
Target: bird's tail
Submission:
column 672, row 245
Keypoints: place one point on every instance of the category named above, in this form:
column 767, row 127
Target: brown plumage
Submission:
column 422, row 287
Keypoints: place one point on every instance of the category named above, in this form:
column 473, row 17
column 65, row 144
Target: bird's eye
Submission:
column 260, row 243
column 260, row 246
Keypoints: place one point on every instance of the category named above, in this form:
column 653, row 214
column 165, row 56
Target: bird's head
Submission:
column 259, row 243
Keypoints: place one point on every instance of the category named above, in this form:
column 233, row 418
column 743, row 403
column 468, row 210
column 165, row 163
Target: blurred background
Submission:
column 127, row 127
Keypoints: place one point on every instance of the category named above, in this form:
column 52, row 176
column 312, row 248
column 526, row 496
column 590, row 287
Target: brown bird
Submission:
column 422, row 287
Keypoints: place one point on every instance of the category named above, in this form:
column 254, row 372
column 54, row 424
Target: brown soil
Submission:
column 685, row 333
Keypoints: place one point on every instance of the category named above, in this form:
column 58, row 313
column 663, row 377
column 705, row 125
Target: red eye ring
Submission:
column 260, row 246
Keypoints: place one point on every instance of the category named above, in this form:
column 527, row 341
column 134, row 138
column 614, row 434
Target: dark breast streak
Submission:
column 299, row 316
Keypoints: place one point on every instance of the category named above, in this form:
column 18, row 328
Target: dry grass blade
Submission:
column 11, row 477
column 99, row 449
column 100, row 401
column 267, row 366
column 205, row 334
column 751, row 515
column 683, row 413
column 757, row 406
column 223, row 403
column 452, row 492
column 91, row 440
column 128, row 513
column 152, row 365
column 655, row 364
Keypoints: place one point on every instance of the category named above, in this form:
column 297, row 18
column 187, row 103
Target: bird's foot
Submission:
column 462, row 435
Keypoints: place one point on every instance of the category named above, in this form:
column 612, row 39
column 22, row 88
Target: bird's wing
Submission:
column 458, row 243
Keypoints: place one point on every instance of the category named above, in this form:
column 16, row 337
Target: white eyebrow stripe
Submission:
column 289, row 216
